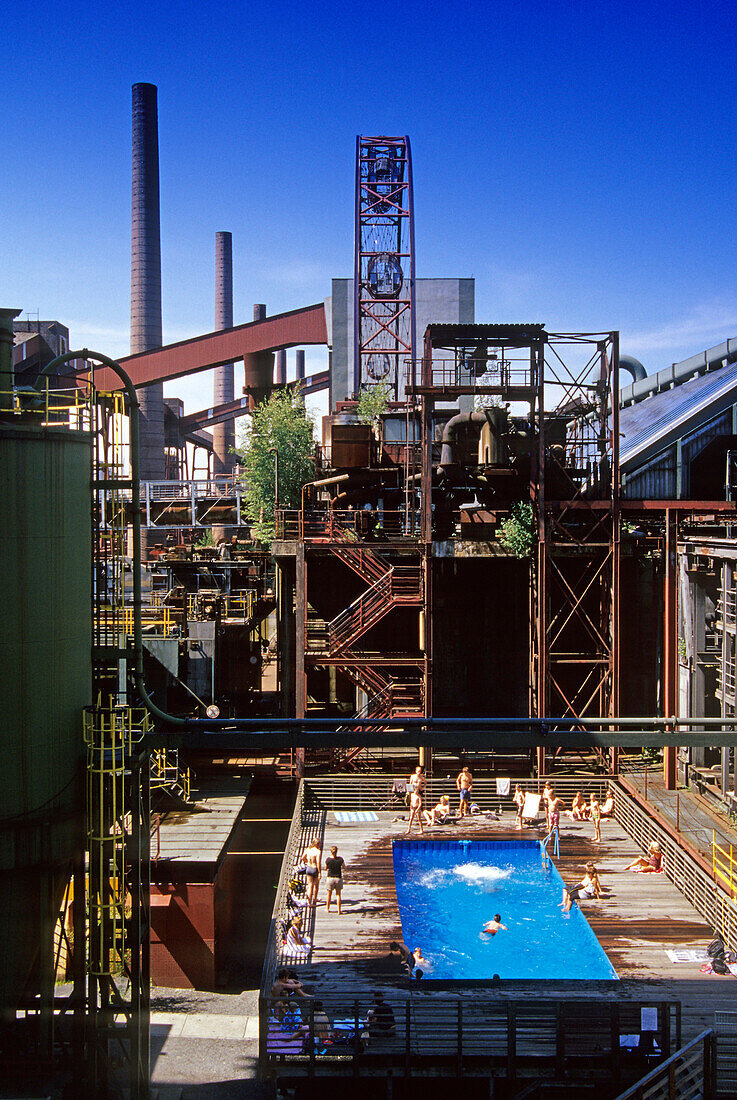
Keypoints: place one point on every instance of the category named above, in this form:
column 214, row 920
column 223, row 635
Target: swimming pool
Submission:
column 447, row 890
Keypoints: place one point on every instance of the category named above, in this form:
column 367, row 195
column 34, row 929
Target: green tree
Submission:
column 519, row 532
column 372, row 404
column 280, row 424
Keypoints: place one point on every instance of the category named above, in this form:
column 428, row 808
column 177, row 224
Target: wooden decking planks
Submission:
column 637, row 920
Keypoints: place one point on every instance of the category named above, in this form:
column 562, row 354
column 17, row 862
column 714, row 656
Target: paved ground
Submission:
column 205, row 1045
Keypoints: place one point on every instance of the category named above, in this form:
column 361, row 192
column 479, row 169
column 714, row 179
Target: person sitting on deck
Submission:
column 401, row 952
column 285, row 985
column 588, row 887
column 380, row 1019
column 652, row 863
column 297, row 942
column 579, row 810
column 607, row 806
column 438, row 814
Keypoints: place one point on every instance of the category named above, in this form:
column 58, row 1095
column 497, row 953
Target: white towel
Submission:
column 502, row 787
column 531, row 807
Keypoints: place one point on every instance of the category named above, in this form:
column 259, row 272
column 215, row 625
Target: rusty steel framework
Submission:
column 574, row 592
column 566, row 382
column 384, row 274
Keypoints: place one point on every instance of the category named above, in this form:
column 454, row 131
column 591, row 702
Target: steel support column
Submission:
column 670, row 642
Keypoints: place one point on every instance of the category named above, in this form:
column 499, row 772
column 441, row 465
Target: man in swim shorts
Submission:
column 494, row 926
column 464, row 783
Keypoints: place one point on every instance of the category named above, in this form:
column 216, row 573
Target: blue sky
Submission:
column 576, row 158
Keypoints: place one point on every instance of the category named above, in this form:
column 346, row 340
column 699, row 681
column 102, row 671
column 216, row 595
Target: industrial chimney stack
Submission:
column 223, row 435
column 146, row 272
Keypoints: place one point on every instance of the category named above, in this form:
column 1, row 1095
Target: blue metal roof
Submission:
column 652, row 424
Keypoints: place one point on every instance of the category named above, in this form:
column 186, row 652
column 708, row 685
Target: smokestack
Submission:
column 223, row 435
column 146, row 272
column 259, row 312
column 300, row 365
column 281, row 366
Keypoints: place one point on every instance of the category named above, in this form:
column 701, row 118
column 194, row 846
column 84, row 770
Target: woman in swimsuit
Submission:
column 589, row 887
column 297, row 942
column 652, row 863
column 312, row 857
column 438, row 814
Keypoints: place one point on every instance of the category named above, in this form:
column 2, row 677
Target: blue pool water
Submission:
column 448, row 890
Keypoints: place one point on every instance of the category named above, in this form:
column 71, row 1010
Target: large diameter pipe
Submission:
column 146, row 271
column 300, row 365
column 223, row 435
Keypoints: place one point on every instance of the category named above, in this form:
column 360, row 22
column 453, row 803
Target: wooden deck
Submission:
column 639, row 918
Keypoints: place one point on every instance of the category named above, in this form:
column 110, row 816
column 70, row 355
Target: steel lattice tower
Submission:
column 384, row 275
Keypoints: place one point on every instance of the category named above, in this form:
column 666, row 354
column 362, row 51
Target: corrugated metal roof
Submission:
column 653, row 421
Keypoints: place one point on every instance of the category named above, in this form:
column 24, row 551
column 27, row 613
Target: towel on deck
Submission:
column 531, row 807
column 345, row 817
column 502, row 787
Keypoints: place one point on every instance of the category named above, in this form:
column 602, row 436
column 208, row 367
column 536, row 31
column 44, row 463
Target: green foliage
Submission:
column 205, row 539
column 372, row 403
column 278, row 424
column 519, row 532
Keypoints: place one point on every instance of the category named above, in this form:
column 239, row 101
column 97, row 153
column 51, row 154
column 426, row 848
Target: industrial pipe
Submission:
column 446, row 454
column 634, row 366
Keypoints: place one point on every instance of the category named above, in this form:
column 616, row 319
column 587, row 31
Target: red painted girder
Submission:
column 283, row 330
column 218, row 414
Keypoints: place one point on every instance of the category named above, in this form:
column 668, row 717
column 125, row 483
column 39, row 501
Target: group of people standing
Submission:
column 297, row 942
column 441, row 811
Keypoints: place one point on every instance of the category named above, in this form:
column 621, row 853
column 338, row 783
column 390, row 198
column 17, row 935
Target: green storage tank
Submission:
column 45, row 682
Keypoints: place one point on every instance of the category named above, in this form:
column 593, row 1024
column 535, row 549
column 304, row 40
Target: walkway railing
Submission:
column 456, row 1033
column 689, row 1074
column 368, row 792
column 699, row 889
column 725, row 866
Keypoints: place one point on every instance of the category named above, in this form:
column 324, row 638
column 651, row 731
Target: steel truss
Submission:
column 384, row 275
column 575, row 579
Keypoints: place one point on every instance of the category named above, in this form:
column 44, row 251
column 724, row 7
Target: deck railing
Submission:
column 455, row 1034
column 698, row 888
column 689, row 1074
column 367, row 792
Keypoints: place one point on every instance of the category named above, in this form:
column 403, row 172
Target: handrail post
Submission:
column 511, row 1042
column 356, row 1038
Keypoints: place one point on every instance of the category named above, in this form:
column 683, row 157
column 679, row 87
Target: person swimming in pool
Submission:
column 493, row 926
column 419, row 959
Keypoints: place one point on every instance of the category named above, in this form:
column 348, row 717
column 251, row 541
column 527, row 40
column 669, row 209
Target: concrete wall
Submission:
column 436, row 300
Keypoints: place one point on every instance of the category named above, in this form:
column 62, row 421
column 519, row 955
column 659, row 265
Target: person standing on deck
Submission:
column 415, row 811
column 415, row 782
column 334, row 865
column 547, row 796
column 519, row 801
column 464, row 784
column 595, row 815
column 312, row 859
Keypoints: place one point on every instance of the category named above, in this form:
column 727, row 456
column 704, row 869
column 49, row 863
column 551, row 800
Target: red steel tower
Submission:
column 384, row 276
